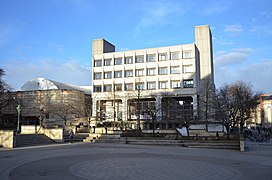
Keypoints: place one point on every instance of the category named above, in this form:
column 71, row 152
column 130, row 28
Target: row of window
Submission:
column 140, row 72
column 149, row 86
column 141, row 58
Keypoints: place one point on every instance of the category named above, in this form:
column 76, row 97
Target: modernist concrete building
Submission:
column 50, row 103
column 154, row 87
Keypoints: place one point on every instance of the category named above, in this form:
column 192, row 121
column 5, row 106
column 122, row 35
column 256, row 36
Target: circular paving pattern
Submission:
column 151, row 168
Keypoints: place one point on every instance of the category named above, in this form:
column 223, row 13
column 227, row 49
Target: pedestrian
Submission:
column 71, row 136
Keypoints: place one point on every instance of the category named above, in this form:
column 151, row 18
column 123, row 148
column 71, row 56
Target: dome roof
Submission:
column 46, row 84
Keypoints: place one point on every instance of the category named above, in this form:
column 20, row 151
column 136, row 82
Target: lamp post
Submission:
column 18, row 108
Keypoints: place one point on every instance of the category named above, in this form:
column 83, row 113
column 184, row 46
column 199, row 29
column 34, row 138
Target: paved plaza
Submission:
column 124, row 161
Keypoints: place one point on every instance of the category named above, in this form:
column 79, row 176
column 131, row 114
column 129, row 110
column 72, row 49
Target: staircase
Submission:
column 212, row 144
column 78, row 137
column 207, row 142
column 104, row 138
column 23, row 140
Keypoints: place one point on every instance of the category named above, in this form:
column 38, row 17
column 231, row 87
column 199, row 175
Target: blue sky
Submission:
column 52, row 38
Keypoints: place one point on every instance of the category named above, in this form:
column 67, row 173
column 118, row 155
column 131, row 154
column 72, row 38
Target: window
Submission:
column 117, row 74
column 163, row 84
column 97, row 63
column 118, row 87
column 139, row 72
column 98, row 75
column 128, row 73
column 107, row 62
column 175, row 84
column 151, row 71
column 188, row 68
column 139, row 86
column 188, row 83
column 129, row 60
column 174, row 70
column 162, row 70
column 97, row 88
column 151, row 85
column 107, row 88
column 117, row 61
column 107, row 75
column 151, row 57
column 162, row 56
column 187, row 54
column 174, row 55
column 139, row 59
column 129, row 86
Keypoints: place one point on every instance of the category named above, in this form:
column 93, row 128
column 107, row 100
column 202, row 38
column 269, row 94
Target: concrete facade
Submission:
column 156, row 84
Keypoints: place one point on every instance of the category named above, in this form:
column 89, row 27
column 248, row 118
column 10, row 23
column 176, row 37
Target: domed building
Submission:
column 50, row 104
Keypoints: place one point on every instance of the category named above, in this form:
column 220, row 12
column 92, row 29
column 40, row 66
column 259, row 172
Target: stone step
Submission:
column 78, row 137
column 23, row 140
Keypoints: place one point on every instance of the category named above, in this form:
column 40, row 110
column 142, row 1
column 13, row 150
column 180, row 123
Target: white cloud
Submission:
column 258, row 74
column 267, row 14
column 233, row 28
column 69, row 72
column 56, row 46
column 215, row 7
column 261, row 29
column 159, row 15
column 222, row 41
column 10, row 31
column 228, row 58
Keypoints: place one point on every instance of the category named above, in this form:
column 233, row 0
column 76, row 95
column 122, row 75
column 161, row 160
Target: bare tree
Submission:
column 63, row 110
column 43, row 104
column 6, row 97
column 234, row 104
column 206, row 97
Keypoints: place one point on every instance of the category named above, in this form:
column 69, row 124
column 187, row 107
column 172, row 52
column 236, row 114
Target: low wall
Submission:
column 7, row 138
column 54, row 133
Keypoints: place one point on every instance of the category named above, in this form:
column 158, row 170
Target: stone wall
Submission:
column 7, row 138
column 53, row 133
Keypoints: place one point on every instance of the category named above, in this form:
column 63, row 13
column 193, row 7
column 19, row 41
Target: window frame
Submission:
column 108, row 72
column 149, row 59
column 177, row 82
column 163, row 82
column 149, row 70
column 137, row 72
column 175, row 55
column 119, row 60
column 139, row 57
column 96, row 61
column 164, row 73
column 188, row 83
column 116, row 87
column 129, row 60
column 118, row 72
column 131, row 74
column 176, row 70
column 151, row 83
column 97, row 73
column 95, row 88
column 106, row 62
column 128, row 84
column 163, row 56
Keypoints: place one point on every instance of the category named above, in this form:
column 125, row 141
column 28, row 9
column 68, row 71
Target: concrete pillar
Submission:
column 195, row 106
column 158, row 108
column 124, row 109
column 94, row 108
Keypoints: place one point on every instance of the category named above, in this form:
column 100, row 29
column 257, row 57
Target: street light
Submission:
column 18, row 108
